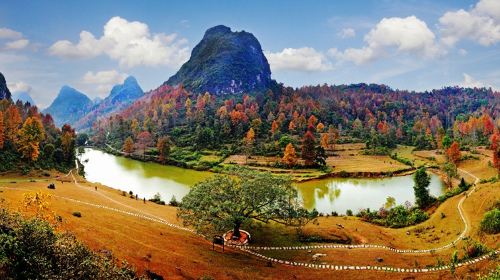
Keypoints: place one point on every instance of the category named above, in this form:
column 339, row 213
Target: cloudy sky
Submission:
column 89, row 45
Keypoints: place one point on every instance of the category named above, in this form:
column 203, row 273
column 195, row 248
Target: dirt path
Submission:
column 253, row 250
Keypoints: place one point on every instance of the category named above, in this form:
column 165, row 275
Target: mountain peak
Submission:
column 4, row 90
column 219, row 29
column 225, row 61
column 69, row 106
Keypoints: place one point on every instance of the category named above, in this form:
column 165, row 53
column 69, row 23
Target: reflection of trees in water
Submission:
column 311, row 194
column 331, row 191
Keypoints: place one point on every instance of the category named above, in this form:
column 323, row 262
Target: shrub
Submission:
column 51, row 186
column 348, row 212
column 173, row 201
column 77, row 214
column 36, row 251
column 491, row 221
column 157, row 199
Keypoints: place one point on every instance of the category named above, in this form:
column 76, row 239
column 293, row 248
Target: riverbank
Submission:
column 349, row 161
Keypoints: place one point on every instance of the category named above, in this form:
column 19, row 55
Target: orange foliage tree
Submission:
column 12, row 122
column 290, row 156
column 453, row 153
column 30, row 136
column 495, row 146
column 163, row 147
column 2, row 136
column 128, row 145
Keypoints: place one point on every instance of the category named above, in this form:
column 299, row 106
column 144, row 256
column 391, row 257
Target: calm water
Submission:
column 327, row 195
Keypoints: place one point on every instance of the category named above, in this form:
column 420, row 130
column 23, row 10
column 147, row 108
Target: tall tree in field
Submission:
column 128, row 145
column 249, row 141
column 2, row 135
column 12, row 122
column 68, row 142
column 289, row 156
column 163, row 147
column 221, row 203
column 450, row 170
column 143, row 141
column 453, row 153
column 29, row 139
column 495, row 147
column 324, row 141
column 333, row 135
column 308, row 148
column 421, row 188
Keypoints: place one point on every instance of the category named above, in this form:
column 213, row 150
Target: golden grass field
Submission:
column 177, row 254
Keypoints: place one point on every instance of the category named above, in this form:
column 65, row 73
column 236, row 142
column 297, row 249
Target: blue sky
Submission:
column 414, row 45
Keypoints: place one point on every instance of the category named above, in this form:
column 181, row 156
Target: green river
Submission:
column 326, row 195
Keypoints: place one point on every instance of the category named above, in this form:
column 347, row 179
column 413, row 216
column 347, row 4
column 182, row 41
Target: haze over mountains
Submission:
column 23, row 97
column 120, row 97
column 69, row 106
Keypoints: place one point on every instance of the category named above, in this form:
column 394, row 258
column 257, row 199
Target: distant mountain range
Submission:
column 23, row 97
column 69, row 106
column 225, row 62
column 120, row 97
column 4, row 90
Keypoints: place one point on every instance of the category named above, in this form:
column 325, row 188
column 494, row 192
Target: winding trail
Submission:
column 252, row 250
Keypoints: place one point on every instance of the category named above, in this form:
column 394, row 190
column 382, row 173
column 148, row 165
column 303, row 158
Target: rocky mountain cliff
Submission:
column 225, row 62
column 4, row 90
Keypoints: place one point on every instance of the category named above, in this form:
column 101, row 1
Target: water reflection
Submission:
column 340, row 194
column 327, row 195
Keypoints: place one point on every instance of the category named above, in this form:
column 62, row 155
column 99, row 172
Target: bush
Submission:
column 51, row 186
column 173, row 201
column 77, row 214
column 348, row 212
column 157, row 199
column 491, row 222
column 31, row 249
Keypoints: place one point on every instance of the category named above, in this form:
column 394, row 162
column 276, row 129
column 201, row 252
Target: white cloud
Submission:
column 103, row 81
column 481, row 24
column 17, row 45
column 19, row 87
column 462, row 52
column 347, row 33
column 405, row 35
column 6, row 33
column 301, row 59
column 129, row 42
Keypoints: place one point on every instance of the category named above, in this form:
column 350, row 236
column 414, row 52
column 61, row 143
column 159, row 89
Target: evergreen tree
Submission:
column 421, row 188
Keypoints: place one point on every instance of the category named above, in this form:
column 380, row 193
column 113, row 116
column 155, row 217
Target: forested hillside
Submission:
column 265, row 123
column 29, row 139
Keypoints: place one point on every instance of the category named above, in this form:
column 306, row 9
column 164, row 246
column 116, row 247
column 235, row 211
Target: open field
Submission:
column 178, row 254
column 348, row 160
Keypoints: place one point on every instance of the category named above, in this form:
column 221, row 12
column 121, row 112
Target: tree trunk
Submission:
column 236, row 231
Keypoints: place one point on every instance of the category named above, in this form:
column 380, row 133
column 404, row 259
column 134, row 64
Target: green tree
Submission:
column 222, row 202
column 491, row 221
column 446, row 142
column 308, row 148
column 451, row 171
column 320, row 156
column 421, row 188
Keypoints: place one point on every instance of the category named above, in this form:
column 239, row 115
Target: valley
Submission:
column 250, row 140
